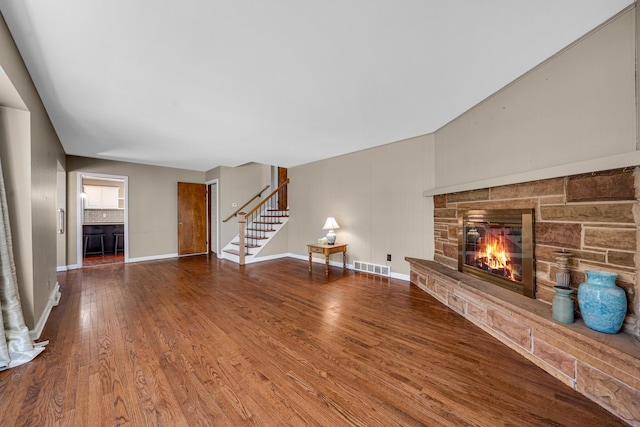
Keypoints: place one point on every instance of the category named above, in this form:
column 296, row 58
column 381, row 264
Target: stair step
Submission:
column 254, row 237
column 246, row 245
column 256, row 232
column 235, row 252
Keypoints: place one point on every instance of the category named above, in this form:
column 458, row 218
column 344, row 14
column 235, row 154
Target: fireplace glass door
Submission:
column 497, row 246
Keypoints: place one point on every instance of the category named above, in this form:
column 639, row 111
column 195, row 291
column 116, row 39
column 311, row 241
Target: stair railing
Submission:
column 254, row 225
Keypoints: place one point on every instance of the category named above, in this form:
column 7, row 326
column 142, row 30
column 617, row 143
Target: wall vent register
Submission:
column 367, row 267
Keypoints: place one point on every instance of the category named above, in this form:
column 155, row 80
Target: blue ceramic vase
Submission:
column 562, row 305
column 603, row 305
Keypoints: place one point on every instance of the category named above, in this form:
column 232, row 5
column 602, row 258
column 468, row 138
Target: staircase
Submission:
column 258, row 227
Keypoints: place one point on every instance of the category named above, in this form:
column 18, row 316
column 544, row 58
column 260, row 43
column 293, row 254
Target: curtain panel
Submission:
column 17, row 347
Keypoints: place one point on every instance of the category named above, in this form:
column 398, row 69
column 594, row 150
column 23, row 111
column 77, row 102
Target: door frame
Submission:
column 213, row 246
column 79, row 202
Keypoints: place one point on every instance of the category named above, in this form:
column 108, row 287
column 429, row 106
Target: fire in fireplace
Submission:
column 497, row 246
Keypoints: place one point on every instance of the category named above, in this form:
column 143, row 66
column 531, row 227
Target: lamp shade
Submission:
column 330, row 224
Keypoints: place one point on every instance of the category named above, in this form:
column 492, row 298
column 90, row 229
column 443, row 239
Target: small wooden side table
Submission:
column 328, row 250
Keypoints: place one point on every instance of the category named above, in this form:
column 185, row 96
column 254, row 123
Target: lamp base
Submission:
column 331, row 237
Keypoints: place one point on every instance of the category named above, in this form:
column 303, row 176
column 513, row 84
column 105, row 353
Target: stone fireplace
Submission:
column 596, row 217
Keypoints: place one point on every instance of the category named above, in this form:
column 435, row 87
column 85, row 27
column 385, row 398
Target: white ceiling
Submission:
column 197, row 84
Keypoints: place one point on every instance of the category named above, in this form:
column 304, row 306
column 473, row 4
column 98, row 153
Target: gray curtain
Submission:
column 17, row 347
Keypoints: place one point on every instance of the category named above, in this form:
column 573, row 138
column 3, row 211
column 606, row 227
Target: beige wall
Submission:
column 579, row 105
column 46, row 152
column 152, row 199
column 278, row 245
column 39, row 154
column 375, row 196
column 212, row 174
column 16, row 168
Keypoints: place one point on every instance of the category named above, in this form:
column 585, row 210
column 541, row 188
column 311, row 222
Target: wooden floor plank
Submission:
column 200, row 341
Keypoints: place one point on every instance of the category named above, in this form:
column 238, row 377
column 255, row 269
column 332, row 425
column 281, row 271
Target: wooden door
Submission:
column 192, row 218
column 283, row 203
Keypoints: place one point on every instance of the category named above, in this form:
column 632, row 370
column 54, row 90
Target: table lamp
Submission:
column 331, row 224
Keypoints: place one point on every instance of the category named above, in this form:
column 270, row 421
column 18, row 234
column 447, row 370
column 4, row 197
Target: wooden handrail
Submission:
column 245, row 205
column 242, row 221
column 266, row 199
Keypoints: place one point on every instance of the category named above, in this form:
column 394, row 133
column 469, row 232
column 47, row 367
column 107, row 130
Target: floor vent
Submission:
column 367, row 267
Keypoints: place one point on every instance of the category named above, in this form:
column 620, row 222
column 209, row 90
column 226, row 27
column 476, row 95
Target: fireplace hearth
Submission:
column 497, row 246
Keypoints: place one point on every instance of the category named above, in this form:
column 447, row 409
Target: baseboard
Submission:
column 62, row 268
column 139, row 259
column 54, row 299
column 405, row 277
column 398, row 276
column 296, row 256
column 319, row 260
column 265, row 258
column 151, row 258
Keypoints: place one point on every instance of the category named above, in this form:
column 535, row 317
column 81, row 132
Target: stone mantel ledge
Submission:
column 563, row 350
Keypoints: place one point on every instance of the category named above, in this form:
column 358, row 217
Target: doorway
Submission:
column 102, row 219
column 214, row 227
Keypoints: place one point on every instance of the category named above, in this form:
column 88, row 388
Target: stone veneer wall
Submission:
column 594, row 216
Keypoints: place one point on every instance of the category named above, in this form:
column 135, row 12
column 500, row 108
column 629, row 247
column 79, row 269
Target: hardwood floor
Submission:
column 91, row 260
column 198, row 341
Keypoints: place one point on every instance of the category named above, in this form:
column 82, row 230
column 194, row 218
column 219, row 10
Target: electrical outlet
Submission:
column 388, row 257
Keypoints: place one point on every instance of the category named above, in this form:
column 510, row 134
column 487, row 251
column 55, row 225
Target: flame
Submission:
column 495, row 256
